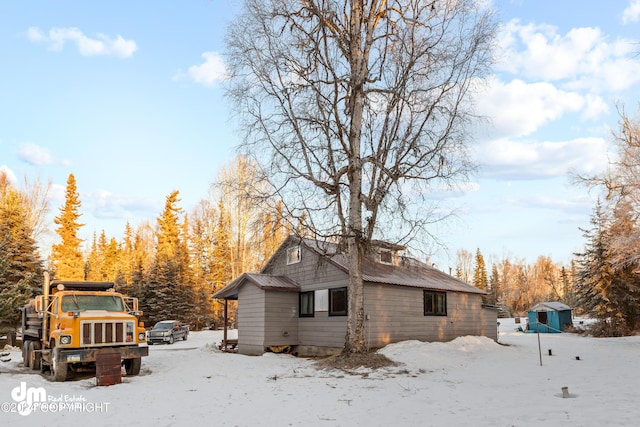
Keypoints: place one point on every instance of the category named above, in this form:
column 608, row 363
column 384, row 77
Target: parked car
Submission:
column 167, row 331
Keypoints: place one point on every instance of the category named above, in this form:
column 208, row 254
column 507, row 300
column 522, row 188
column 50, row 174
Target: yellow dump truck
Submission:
column 67, row 327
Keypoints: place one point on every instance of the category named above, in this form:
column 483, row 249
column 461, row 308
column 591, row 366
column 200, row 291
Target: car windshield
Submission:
column 92, row 302
column 163, row 325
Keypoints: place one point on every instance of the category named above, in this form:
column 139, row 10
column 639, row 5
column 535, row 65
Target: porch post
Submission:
column 226, row 303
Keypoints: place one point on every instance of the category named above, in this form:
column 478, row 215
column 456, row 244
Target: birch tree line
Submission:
column 513, row 285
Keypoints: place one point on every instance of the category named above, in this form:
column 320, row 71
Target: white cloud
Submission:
column 583, row 58
column 107, row 205
column 518, row 108
column 101, row 45
column 631, row 12
column 211, row 71
column 35, row 155
column 507, row 159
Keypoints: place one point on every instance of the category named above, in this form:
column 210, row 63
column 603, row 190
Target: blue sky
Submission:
column 128, row 97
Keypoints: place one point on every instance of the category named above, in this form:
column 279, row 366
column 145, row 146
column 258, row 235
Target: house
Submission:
column 299, row 301
column 549, row 317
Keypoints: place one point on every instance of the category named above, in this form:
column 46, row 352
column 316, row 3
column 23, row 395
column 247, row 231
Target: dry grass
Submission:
column 352, row 361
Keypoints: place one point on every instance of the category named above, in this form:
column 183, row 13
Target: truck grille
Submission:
column 106, row 333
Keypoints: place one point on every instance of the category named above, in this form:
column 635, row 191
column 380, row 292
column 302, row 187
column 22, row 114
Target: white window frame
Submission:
column 293, row 255
column 385, row 252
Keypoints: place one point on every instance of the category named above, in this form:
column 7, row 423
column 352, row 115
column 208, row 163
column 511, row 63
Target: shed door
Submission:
column 542, row 317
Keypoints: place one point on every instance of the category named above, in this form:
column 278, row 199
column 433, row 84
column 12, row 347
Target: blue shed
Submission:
column 549, row 317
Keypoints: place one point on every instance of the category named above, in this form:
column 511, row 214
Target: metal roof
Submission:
column 262, row 281
column 410, row 272
column 550, row 306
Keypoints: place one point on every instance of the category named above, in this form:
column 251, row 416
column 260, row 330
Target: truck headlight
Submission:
column 65, row 339
column 142, row 336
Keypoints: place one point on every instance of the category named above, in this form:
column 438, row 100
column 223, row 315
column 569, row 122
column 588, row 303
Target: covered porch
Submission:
column 266, row 316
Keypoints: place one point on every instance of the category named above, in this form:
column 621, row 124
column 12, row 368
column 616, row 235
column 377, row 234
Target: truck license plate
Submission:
column 71, row 358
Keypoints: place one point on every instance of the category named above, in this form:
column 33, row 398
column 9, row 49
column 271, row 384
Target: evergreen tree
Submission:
column 168, row 228
column 185, row 303
column 126, row 259
column 66, row 256
column 595, row 275
column 201, row 239
column 93, row 261
column 168, row 292
column 109, row 268
column 494, row 286
column 480, row 272
column 156, row 302
column 222, row 269
column 20, row 266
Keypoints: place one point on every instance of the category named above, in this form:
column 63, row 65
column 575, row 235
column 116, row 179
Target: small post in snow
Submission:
column 539, row 347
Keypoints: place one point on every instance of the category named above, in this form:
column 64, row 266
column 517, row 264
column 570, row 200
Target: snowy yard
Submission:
column 469, row 381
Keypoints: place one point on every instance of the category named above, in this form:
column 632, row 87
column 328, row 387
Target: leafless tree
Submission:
column 358, row 110
column 620, row 186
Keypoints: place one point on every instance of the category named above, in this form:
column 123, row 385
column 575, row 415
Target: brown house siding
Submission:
column 268, row 316
column 281, row 318
column 250, row 319
column 396, row 313
column 311, row 273
column 323, row 330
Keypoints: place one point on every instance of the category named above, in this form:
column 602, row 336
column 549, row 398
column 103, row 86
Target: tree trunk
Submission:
column 355, row 342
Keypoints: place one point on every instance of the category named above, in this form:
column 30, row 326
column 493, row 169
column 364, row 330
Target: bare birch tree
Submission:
column 357, row 111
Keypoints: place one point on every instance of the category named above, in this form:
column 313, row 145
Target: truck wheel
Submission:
column 132, row 366
column 35, row 358
column 58, row 368
column 170, row 339
column 26, row 357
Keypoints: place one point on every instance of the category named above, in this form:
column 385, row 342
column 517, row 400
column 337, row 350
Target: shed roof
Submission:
column 550, row 306
column 262, row 281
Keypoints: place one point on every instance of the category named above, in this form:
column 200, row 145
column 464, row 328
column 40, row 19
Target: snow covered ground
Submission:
column 470, row 381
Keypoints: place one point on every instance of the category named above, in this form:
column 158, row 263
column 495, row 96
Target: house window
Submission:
column 307, row 304
column 386, row 257
column 435, row 303
column 293, row 255
column 338, row 302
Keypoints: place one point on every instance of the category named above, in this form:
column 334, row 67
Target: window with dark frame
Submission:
column 338, row 302
column 435, row 303
column 307, row 304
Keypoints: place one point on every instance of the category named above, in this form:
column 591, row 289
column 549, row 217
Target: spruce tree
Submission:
column 222, row 259
column 166, row 295
column 480, row 272
column 66, row 256
column 494, row 286
column 595, row 275
column 20, row 266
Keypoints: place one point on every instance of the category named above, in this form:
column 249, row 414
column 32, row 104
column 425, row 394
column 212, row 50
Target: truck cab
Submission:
column 68, row 327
